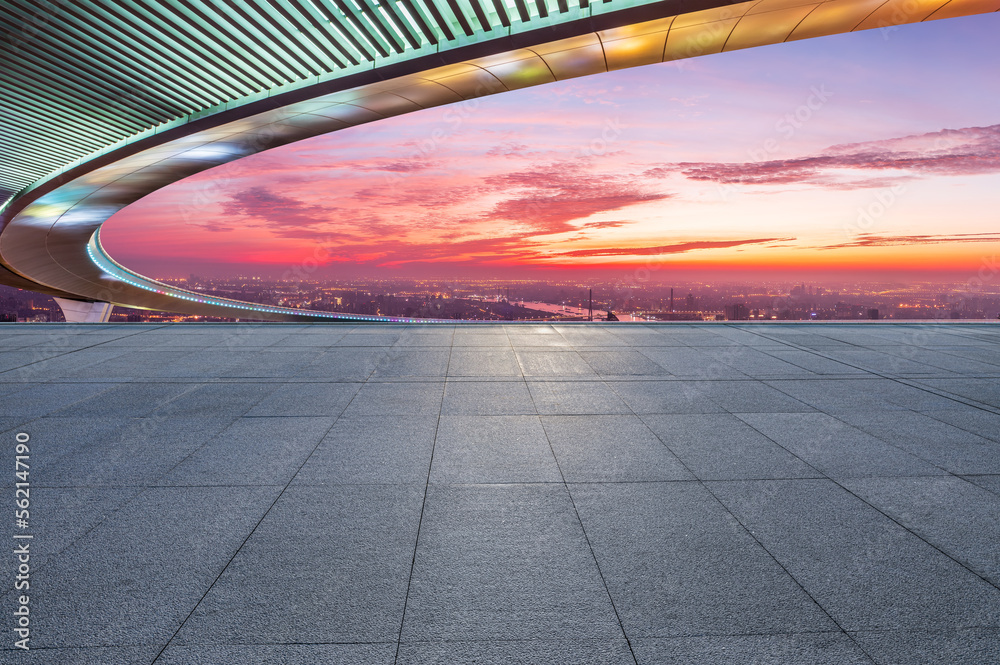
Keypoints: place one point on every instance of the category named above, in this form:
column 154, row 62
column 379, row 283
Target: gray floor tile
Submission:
column 813, row 362
column 535, row 363
column 517, row 652
column 103, row 655
column 487, row 398
column 282, row 654
column 957, row 517
column 397, row 399
column 133, row 452
column 664, row 397
column 835, row 448
column 866, row 571
column 722, row 447
column 484, row 361
column 129, row 400
column 932, row 647
column 800, row 649
column 982, row 391
column 345, row 364
column 306, row 399
column 505, row 562
column 853, row 395
column 217, row 399
column 677, row 564
column 750, row 397
column 691, row 363
column 649, row 423
column 42, row 399
column 946, row 446
column 411, row 361
column 976, row 421
column 989, row 482
column 492, row 449
column 134, row 578
column 616, row 361
column 373, row 450
column 252, row 451
column 575, row 398
column 335, row 560
column 59, row 516
column 610, row 449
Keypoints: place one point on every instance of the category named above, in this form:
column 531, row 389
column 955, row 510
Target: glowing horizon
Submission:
column 794, row 160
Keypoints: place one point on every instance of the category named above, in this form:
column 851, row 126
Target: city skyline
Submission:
column 814, row 166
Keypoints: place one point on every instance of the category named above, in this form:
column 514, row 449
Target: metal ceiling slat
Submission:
column 33, row 113
column 267, row 40
column 45, row 69
column 52, row 154
column 543, row 9
column 501, row 13
column 484, row 21
column 157, row 59
column 244, row 26
column 29, row 92
column 386, row 7
column 113, row 54
column 563, row 6
column 379, row 25
column 422, row 22
column 355, row 21
column 462, row 21
column 268, row 72
column 317, row 20
column 26, row 157
column 302, row 26
column 97, row 101
column 56, row 152
column 168, row 13
column 442, row 24
column 341, row 26
column 28, row 98
column 98, row 62
column 168, row 43
column 522, row 11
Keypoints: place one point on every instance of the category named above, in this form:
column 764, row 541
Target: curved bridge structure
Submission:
column 104, row 103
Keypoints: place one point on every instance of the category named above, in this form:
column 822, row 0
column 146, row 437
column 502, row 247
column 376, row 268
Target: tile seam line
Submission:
column 143, row 489
column 423, row 507
column 843, row 630
column 491, row 640
column 900, row 380
column 82, row 348
column 243, row 543
column 883, row 513
column 840, row 417
column 729, row 512
column 583, row 529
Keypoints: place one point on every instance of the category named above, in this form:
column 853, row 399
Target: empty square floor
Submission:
column 503, row 493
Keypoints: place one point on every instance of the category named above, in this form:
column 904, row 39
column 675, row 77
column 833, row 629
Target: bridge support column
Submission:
column 77, row 311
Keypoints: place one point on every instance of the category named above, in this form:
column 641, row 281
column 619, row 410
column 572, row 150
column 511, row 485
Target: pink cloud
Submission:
column 968, row 151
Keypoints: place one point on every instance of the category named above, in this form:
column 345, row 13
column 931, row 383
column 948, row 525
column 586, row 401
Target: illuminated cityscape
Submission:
column 503, row 300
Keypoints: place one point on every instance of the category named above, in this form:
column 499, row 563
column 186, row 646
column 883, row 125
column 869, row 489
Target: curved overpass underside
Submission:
column 189, row 85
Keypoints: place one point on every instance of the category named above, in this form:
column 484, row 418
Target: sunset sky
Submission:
column 873, row 154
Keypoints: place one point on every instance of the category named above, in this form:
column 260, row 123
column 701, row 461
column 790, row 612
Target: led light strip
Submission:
column 121, row 273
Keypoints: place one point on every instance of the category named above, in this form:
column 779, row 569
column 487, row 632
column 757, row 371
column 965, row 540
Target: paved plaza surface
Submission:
column 505, row 493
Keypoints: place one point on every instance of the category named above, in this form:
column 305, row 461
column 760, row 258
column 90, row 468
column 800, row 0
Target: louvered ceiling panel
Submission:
column 76, row 77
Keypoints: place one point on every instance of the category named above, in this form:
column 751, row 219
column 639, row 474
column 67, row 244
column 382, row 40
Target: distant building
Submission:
column 737, row 312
